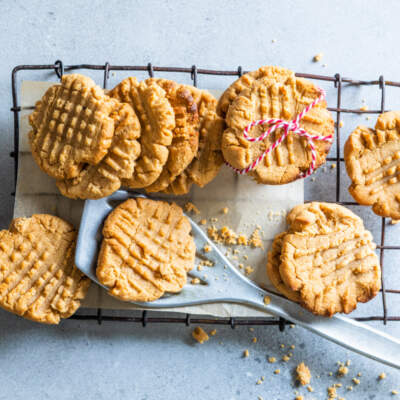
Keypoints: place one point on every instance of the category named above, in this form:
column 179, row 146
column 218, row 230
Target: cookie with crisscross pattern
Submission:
column 372, row 160
column 146, row 250
column 38, row 278
column 278, row 95
column 329, row 258
column 71, row 125
column 104, row 178
column 157, row 120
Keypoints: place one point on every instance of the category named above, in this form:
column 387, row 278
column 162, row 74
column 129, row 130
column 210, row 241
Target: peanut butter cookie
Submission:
column 157, row 120
column 71, row 125
column 38, row 278
column 185, row 140
column 101, row 180
column 146, row 250
column 208, row 160
column 328, row 257
column 373, row 163
column 273, row 263
column 283, row 96
column 245, row 82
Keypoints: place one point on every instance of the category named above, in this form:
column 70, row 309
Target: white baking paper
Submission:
column 249, row 205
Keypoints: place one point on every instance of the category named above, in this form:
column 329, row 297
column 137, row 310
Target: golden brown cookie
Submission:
column 245, row 82
column 328, row 257
column 157, row 120
column 208, row 160
column 273, row 262
column 284, row 96
column 100, row 180
column 71, row 125
column 146, row 250
column 38, row 278
column 373, row 163
column 185, row 139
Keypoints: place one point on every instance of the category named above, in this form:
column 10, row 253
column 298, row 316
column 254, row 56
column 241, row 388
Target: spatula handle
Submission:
column 344, row 331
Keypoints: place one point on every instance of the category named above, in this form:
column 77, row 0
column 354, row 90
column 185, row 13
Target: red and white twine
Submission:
column 288, row 126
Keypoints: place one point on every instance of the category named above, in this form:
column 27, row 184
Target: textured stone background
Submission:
column 82, row 359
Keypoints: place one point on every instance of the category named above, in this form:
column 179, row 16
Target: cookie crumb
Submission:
column 332, row 392
column 282, row 346
column 333, row 166
column 242, row 240
column 291, row 326
column 246, row 353
column 225, row 210
column 195, row 281
column 200, row 335
column 394, row 392
column 348, row 362
column 285, row 358
column 349, row 388
column 277, row 371
column 292, row 346
column 267, row 300
column 310, row 388
column 255, row 239
column 203, row 221
column 190, row 207
column 318, row 57
column 213, row 332
column 273, row 40
column 249, row 270
column 259, row 382
column 259, row 398
column 254, row 340
column 364, row 108
column 271, row 360
column 382, row 376
column 359, row 374
column 356, row 381
column 207, row 248
column 342, row 371
column 341, row 124
column 299, row 398
column 394, row 221
column 303, row 374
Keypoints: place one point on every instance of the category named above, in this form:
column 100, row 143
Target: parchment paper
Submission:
column 249, row 205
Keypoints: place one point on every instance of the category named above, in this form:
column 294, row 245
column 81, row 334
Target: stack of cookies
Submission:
column 326, row 260
column 273, row 92
column 156, row 134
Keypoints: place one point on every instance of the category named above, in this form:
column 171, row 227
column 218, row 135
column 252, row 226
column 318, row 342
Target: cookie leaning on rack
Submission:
column 372, row 160
column 84, row 138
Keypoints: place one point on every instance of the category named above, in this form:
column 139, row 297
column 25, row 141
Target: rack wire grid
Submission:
column 59, row 68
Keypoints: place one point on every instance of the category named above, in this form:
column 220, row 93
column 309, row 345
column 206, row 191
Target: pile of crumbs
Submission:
column 303, row 374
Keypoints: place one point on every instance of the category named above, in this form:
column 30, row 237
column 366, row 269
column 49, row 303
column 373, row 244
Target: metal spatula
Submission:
column 225, row 284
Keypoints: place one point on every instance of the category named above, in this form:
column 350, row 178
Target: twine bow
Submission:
column 288, row 126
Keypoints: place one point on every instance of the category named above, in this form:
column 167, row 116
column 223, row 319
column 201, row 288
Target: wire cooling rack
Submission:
column 337, row 80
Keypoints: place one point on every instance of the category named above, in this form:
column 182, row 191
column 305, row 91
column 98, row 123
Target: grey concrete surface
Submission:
column 125, row 361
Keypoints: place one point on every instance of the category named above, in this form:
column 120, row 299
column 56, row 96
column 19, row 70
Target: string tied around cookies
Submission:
column 288, row 126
